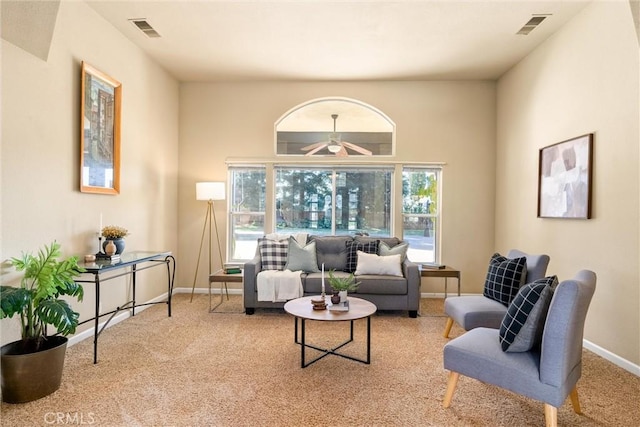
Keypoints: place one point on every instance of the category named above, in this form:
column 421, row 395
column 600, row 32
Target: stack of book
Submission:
column 232, row 270
column 341, row 306
column 101, row 256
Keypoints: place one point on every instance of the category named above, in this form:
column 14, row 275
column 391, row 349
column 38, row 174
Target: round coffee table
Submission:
column 302, row 309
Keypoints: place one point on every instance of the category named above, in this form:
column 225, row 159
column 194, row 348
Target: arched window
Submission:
column 334, row 127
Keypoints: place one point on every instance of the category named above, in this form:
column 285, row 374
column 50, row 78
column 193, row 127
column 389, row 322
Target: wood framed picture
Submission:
column 564, row 179
column 100, row 137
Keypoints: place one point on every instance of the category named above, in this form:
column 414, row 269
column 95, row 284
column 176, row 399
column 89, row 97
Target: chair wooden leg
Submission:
column 574, row 401
column 550, row 415
column 451, row 387
column 447, row 328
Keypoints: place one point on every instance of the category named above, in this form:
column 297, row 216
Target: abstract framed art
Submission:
column 100, row 132
column 564, row 179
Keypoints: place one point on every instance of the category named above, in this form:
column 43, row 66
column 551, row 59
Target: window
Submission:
column 333, row 200
column 247, row 204
column 421, row 212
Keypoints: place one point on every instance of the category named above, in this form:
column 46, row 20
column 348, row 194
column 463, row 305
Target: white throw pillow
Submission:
column 375, row 264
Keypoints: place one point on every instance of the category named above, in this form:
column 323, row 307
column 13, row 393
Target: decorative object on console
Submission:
column 564, row 179
column 209, row 191
column 114, row 234
column 32, row 367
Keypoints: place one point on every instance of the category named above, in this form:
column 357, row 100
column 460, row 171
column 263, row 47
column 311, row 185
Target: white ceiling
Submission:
column 212, row 40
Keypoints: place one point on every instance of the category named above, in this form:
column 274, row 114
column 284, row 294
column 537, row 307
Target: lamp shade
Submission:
column 210, row 191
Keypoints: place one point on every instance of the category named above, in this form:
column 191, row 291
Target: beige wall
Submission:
column 40, row 152
column 451, row 122
column 584, row 79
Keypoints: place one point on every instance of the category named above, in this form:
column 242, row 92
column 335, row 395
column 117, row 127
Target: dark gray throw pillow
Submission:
column 504, row 277
column 523, row 324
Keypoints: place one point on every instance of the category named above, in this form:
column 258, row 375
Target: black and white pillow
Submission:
column 504, row 277
column 273, row 253
column 523, row 324
column 370, row 247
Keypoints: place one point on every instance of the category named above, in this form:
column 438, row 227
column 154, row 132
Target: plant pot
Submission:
column 31, row 376
column 343, row 296
column 119, row 245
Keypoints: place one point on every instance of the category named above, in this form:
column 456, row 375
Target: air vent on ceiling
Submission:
column 532, row 23
column 145, row 27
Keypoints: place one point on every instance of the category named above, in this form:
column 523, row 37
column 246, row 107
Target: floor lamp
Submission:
column 209, row 191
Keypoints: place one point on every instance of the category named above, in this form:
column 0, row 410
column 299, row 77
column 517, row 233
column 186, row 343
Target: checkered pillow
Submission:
column 273, row 253
column 522, row 325
column 504, row 278
column 353, row 247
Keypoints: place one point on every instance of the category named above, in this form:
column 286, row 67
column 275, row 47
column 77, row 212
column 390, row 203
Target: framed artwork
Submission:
column 100, row 137
column 564, row 181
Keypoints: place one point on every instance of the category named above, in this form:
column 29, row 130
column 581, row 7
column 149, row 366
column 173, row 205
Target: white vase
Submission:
column 343, row 296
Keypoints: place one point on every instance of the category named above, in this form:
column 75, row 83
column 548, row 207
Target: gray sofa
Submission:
column 386, row 292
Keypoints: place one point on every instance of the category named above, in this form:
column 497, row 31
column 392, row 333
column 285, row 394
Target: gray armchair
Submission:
column 473, row 311
column 548, row 373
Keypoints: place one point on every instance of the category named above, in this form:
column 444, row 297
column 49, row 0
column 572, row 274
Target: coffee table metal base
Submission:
column 327, row 351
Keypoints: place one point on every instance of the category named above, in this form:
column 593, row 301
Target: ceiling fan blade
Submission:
column 312, row 146
column 357, row 148
column 342, row 152
column 315, row 150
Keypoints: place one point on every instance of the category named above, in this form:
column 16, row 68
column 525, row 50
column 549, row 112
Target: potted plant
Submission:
column 342, row 284
column 32, row 366
column 115, row 234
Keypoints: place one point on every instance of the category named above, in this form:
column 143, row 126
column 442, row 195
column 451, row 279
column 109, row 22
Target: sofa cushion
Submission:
column 375, row 284
column 375, row 264
column 353, row 247
column 504, row 278
column 301, row 257
column 331, row 251
column 522, row 325
column 385, row 249
column 273, row 253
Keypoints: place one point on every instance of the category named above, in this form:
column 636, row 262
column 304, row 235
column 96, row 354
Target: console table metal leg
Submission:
column 133, row 274
column 96, row 321
column 171, row 275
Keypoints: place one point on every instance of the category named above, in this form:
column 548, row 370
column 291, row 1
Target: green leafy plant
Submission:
column 37, row 300
column 345, row 283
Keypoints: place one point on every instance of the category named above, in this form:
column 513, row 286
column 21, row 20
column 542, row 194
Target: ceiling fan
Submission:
column 335, row 144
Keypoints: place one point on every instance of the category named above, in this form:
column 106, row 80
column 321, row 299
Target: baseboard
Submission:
column 205, row 291
column 613, row 358
column 89, row 333
column 441, row 295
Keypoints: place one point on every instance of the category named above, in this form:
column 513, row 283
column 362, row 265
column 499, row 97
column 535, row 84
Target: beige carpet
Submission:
column 228, row 369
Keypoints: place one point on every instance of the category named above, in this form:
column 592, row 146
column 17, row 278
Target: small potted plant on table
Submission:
column 32, row 367
column 342, row 285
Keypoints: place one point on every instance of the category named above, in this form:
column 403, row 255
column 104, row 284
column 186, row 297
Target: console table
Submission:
column 445, row 272
column 138, row 261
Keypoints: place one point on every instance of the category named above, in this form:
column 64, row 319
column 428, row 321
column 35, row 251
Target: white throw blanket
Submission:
column 279, row 286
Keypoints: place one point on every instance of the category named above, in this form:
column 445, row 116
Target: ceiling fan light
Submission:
column 333, row 147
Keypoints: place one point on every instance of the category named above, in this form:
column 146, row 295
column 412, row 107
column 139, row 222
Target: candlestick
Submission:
column 323, row 294
column 100, row 229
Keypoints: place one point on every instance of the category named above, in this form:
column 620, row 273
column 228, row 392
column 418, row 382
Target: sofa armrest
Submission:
column 411, row 272
column 251, row 270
